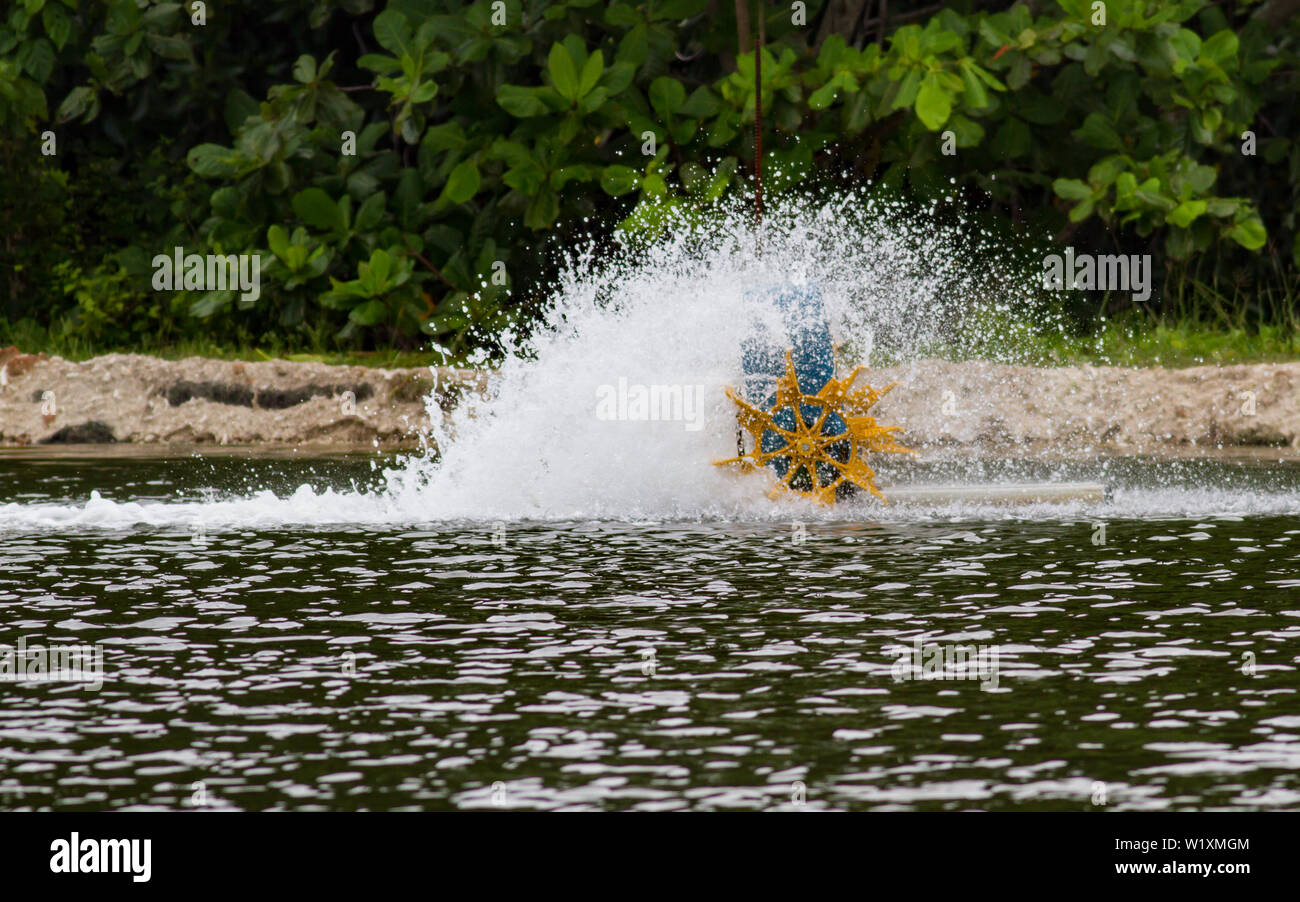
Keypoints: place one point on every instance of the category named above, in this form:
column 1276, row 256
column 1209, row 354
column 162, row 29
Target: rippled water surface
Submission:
column 673, row 664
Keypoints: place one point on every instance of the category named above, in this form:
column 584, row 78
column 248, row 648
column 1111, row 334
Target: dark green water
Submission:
column 600, row 665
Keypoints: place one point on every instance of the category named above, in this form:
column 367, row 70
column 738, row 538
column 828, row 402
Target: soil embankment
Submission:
column 1073, row 410
column 1080, row 409
column 147, row 400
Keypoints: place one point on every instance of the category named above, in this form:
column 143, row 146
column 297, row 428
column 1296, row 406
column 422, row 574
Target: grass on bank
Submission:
column 1132, row 342
column 1140, row 342
column 30, row 339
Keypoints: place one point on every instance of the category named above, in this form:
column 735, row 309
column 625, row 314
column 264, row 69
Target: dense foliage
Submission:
column 402, row 168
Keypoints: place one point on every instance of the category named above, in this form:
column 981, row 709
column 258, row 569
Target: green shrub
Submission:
column 481, row 143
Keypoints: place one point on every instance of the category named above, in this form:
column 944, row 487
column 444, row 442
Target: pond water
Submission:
column 272, row 647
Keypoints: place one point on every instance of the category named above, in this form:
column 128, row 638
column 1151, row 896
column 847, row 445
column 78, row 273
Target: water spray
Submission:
column 812, row 429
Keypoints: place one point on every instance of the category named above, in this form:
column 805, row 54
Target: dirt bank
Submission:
column 134, row 398
column 1075, row 410
column 1084, row 409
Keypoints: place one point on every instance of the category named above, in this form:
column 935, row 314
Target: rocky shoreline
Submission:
column 1077, row 410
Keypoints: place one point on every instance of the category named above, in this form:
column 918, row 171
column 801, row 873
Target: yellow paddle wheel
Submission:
column 818, row 444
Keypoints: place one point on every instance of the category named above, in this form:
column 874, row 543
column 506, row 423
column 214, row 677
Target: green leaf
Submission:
column 616, row 180
column 58, row 27
column 37, row 58
column 578, row 173
column 225, row 202
column 304, row 70
column 976, row 96
column 1071, row 189
column 520, row 102
column 1106, row 170
column 368, row 314
column 991, row 34
column 592, row 70
column 78, row 101
column 123, row 18
column 393, row 32
column 1186, row 46
column 1149, row 193
column 593, row 101
column 634, row 48
column 1022, row 69
column 938, row 43
column 1250, row 234
column 968, row 132
column 563, row 74
column 1200, row 177
column 654, row 185
column 426, row 34
column 622, row 15
column 1122, row 49
column 543, row 209
column 424, row 93
column 1211, row 119
column 1222, row 47
column 932, row 103
column 463, row 183
column 987, row 77
column 620, row 75
column 667, row 96
column 1186, row 213
column 29, row 99
column 170, row 47
column 823, row 96
column 1222, row 207
column 694, row 177
column 238, row 107
column 1097, row 131
column 722, row 178
column 370, row 213
column 448, row 136
column 907, row 89
column 315, row 208
column 525, row 174
column 378, row 62
column 278, row 240
column 212, row 160
column 337, row 298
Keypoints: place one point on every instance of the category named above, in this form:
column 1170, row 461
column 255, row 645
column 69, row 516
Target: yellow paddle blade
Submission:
column 821, row 458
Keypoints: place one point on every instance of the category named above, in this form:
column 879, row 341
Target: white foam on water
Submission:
column 327, row 509
column 673, row 314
